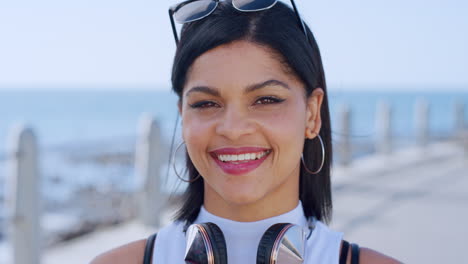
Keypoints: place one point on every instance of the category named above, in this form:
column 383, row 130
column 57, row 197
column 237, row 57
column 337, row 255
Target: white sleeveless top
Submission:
column 243, row 238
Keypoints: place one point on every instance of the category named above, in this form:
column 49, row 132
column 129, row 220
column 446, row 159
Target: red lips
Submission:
column 238, row 167
column 237, row 151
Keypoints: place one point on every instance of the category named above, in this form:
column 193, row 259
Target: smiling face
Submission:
column 244, row 122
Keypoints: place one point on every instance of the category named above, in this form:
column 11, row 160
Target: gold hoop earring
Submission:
column 175, row 169
column 323, row 158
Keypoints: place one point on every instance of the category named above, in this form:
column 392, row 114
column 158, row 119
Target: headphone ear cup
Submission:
column 267, row 242
column 218, row 242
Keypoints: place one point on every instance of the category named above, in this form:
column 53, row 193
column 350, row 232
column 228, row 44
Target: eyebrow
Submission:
column 248, row 89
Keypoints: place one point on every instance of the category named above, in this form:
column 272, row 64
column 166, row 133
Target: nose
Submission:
column 235, row 123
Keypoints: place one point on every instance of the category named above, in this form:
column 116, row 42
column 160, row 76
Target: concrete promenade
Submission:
column 412, row 205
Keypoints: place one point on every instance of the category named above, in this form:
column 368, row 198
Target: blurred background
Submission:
column 86, row 104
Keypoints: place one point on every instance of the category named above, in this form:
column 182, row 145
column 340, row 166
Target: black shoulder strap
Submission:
column 344, row 252
column 149, row 249
column 354, row 253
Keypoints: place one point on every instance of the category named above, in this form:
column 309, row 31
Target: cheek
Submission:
column 287, row 123
column 286, row 130
column 192, row 126
column 196, row 135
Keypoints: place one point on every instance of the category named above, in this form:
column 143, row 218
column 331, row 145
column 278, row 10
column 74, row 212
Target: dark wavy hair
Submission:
column 278, row 29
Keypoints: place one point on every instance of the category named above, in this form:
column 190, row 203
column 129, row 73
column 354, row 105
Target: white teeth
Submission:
column 243, row 157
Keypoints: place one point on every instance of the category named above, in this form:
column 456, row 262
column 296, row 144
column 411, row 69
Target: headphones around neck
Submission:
column 282, row 243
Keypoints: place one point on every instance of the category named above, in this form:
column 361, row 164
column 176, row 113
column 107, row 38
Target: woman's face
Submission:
column 244, row 122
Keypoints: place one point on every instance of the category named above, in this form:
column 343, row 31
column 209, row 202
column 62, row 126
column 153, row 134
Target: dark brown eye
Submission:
column 268, row 100
column 204, row 104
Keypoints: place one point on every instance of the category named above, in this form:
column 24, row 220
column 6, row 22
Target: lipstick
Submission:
column 238, row 161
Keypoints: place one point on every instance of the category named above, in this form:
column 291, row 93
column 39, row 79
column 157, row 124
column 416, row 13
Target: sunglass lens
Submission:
column 253, row 5
column 194, row 11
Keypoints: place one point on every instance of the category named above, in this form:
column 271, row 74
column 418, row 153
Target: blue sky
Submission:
column 126, row 44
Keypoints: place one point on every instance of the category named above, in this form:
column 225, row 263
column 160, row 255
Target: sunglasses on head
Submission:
column 192, row 10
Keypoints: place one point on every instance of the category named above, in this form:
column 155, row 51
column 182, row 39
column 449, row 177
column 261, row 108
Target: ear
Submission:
column 313, row 118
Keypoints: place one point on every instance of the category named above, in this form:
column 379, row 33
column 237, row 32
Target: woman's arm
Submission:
column 126, row 254
column 368, row 256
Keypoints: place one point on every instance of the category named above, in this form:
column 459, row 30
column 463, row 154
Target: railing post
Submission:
column 23, row 196
column 148, row 160
column 384, row 128
column 461, row 131
column 344, row 121
column 422, row 122
column 459, row 117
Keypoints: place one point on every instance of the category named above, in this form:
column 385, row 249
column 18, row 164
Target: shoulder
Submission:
column 367, row 256
column 370, row 256
column 134, row 252
column 130, row 253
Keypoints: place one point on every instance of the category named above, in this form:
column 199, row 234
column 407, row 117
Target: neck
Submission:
column 276, row 203
column 251, row 213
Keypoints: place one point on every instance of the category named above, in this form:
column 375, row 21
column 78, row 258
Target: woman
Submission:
column 256, row 125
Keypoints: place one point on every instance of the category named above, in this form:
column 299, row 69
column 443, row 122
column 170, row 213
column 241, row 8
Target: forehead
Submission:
column 237, row 65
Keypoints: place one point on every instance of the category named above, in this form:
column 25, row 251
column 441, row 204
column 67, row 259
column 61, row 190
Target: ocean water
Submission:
column 62, row 117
